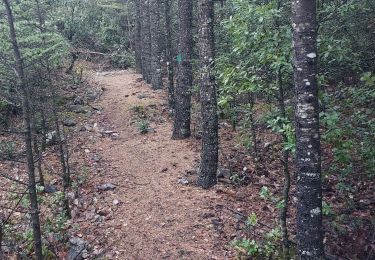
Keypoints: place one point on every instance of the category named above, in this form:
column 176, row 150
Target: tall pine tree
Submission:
column 210, row 143
column 181, row 126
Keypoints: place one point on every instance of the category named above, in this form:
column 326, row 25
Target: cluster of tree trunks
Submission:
column 27, row 113
column 33, row 105
column 149, row 38
column 149, row 60
column 153, row 36
column 149, row 53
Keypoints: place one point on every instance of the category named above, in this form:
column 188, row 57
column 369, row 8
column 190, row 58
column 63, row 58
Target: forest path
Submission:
column 152, row 216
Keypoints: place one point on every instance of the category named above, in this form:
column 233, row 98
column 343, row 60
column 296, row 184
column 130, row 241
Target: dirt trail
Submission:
column 155, row 217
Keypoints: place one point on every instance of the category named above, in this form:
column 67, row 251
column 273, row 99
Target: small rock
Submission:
column 365, row 202
column 164, row 169
column 79, row 109
column 108, row 132
column 96, row 157
column 76, row 202
column 267, row 144
column 142, row 96
column 51, row 137
column 78, row 101
column 115, row 136
column 95, row 128
column 116, row 202
column 98, row 218
column 106, row 187
column 183, row 181
column 223, row 173
column 49, row 188
column 69, row 122
column 77, row 248
column 91, row 95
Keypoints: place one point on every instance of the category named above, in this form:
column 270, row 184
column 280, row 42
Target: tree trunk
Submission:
column 146, row 41
column 308, row 158
column 26, row 109
column 39, row 155
column 285, row 163
column 2, row 223
column 138, row 36
column 169, row 55
column 210, row 143
column 63, row 156
column 251, row 100
column 181, row 126
column 156, row 40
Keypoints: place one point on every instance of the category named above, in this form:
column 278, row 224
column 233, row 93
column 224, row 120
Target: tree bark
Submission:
column 63, row 158
column 156, row 49
column 285, row 163
column 26, row 109
column 169, row 55
column 146, row 41
column 308, row 157
column 209, row 154
column 38, row 153
column 2, row 223
column 181, row 126
column 138, row 36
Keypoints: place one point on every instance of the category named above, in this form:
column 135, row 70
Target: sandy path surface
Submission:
column 155, row 217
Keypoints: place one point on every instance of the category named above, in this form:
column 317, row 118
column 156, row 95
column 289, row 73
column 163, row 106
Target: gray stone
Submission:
column 49, row 188
column 183, row 181
column 96, row 157
column 51, row 137
column 142, row 96
column 223, row 173
column 77, row 248
column 69, row 122
column 78, row 101
column 106, row 187
column 365, row 202
column 79, row 109
column 91, row 95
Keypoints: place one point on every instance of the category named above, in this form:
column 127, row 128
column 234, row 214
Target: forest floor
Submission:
column 134, row 194
column 139, row 199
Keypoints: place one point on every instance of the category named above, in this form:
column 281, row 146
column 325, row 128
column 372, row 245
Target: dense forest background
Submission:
column 47, row 47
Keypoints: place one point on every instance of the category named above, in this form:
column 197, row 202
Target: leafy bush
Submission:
column 122, row 60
